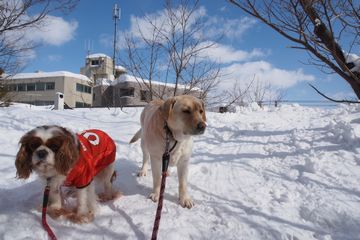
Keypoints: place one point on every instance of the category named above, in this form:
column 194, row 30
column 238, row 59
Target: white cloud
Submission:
column 235, row 28
column 26, row 56
column 106, row 40
column 146, row 26
column 18, row 41
column 264, row 72
column 225, row 54
column 55, row 58
column 54, row 31
column 238, row 68
column 229, row 28
column 142, row 27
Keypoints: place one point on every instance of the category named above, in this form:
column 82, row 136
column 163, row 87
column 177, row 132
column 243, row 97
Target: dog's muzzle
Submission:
column 200, row 128
column 41, row 154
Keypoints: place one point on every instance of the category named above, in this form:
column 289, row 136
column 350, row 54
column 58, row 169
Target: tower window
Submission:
column 95, row 62
column 126, row 92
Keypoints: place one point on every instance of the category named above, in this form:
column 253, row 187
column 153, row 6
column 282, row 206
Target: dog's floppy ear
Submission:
column 167, row 107
column 23, row 159
column 67, row 154
column 203, row 108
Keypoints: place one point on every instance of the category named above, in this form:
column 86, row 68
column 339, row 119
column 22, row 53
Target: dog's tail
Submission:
column 136, row 136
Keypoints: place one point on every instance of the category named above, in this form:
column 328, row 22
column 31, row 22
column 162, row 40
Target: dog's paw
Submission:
column 154, row 197
column 80, row 219
column 186, row 202
column 142, row 173
column 103, row 197
column 57, row 212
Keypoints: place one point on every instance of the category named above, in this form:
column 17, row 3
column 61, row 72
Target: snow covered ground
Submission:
column 289, row 173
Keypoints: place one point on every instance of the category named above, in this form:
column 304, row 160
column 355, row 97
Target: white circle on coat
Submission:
column 92, row 137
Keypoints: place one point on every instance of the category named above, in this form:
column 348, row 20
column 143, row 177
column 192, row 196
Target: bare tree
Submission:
column 236, row 96
column 143, row 62
column 184, row 44
column 204, row 77
column 327, row 29
column 15, row 21
column 3, row 91
column 278, row 96
column 171, row 49
column 258, row 92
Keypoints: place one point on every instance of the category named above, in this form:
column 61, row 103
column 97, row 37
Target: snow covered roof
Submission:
column 120, row 68
column 97, row 55
column 103, row 82
column 50, row 74
column 130, row 78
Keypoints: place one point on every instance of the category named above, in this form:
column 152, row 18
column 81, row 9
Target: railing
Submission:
column 308, row 103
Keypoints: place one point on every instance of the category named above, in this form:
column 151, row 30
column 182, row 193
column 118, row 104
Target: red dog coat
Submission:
column 97, row 150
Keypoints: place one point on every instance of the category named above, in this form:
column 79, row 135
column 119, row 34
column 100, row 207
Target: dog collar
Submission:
column 168, row 134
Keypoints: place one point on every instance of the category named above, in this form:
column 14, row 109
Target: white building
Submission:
column 124, row 90
column 95, row 86
column 40, row 88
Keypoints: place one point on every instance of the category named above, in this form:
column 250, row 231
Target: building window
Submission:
column 145, row 95
column 43, row 103
column 40, row 86
column 81, row 104
column 79, row 87
column 83, row 88
column 95, row 62
column 126, row 92
column 50, row 86
column 21, row 87
column 11, row 87
column 30, row 87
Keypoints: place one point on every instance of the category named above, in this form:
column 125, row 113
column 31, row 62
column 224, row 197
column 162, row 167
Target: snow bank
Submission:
column 274, row 173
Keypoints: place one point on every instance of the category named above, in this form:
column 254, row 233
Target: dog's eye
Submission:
column 34, row 145
column 54, row 144
column 187, row 111
column 54, row 147
column 201, row 111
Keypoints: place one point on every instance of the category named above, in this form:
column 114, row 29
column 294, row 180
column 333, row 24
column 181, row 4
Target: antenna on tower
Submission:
column 88, row 47
column 116, row 18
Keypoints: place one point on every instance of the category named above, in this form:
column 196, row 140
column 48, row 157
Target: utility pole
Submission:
column 116, row 18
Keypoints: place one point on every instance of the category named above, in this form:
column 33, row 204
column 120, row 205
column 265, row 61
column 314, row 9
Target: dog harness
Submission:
column 97, row 151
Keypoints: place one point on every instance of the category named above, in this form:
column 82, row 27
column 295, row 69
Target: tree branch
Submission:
column 331, row 99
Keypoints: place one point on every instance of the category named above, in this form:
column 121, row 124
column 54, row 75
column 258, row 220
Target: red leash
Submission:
column 159, row 208
column 165, row 164
column 43, row 217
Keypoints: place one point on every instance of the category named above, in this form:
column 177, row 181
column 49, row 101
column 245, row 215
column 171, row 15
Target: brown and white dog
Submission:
column 185, row 117
column 63, row 158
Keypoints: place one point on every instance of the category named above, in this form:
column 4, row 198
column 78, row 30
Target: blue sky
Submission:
column 248, row 47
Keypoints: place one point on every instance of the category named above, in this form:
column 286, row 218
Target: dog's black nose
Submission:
column 201, row 126
column 42, row 153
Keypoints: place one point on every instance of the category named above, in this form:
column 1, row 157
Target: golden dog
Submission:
column 185, row 116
